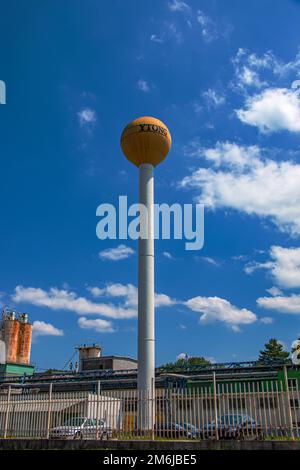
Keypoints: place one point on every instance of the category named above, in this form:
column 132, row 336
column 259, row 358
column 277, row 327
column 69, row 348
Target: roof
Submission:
column 123, row 358
column 36, row 403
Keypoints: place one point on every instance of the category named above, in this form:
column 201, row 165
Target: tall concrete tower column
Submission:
column 146, row 141
column 146, row 336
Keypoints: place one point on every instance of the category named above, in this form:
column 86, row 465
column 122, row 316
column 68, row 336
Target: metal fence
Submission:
column 237, row 410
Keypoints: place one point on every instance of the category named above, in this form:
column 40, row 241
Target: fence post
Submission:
column 153, row 399
column 288, row 399
column 215, row 405
column 7, row 412
column 49, row 411
column 97, row 409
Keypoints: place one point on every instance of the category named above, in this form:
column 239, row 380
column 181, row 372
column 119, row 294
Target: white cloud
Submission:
column 198, row 108
column 208, row 27
column 163, row 300
column 213, row 98
column 87, row 117
column 283, row 304
column 116, row 254
column 96, row 291
column 210, row 260
column 129, row 294
column 175, row 26
column 274, row 291
column 99, row 325
column 249, row 77
column 126, row 291
column 178, row 5
column 266, row 320
column 249, row 65
column 236, row 328
column 284, row 267
column 183, row 356
column 225, row 154
column 40, row 328
column 218, row 309
column 265, row 61
column 248, row 182
column 211, row 308
column 172, row 31
column 167, row 255
column 254, row 266
column 143, row 85
column 57, row 299
column 272, row 110
column 288, row 68
column 155, row 38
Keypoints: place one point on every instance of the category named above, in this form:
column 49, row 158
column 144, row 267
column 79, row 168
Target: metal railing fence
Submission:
column 232, row 410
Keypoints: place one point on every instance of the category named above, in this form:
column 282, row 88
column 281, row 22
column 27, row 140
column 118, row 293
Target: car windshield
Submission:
column 75, row 422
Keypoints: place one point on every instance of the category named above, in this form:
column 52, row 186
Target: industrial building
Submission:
column 117, row 372
column 38, row 404
column 15, row 344
column 91, row 359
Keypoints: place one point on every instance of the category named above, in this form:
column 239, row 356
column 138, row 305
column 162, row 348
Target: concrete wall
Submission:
column 111, row 363
column 124, row 364
column 42, row 444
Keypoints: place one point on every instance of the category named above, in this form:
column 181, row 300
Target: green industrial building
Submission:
column 13, row 370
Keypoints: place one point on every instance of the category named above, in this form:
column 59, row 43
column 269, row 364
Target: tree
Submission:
column 273, row 353
column 54, row 371
column 185, row 363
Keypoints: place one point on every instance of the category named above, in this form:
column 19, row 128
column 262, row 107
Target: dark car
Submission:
column 172, row 431
column 233, row 426
column 195, row 433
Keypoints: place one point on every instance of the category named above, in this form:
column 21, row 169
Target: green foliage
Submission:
column 273, row 353
column 54, row 371
column 185, row 363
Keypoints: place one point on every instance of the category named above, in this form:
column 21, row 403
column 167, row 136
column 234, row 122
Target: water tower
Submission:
column 146, row 141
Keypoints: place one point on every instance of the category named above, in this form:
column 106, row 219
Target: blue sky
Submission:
column 220, row 75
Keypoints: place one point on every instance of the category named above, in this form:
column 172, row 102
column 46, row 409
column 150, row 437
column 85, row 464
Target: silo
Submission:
column 24, row 342
column 2, row 352
column 10, row 336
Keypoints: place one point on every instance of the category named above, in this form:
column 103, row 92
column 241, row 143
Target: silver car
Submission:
column 82, row 428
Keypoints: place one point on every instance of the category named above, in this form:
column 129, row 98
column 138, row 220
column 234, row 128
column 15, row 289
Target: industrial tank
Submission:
column 10, row 335
column 24, row 343
column 16, row 333
column 2, row 352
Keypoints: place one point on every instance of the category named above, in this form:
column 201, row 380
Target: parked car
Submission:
column 192, row 429
column 233, row 426
column 82, row 428
column 173, row 430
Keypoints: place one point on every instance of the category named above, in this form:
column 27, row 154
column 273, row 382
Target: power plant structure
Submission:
column 146, row 142
column 15, row 343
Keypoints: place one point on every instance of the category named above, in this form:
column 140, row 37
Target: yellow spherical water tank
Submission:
column 146, row 140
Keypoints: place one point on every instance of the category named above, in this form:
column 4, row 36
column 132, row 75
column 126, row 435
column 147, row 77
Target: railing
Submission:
column 225, row 367
column 232, row 410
